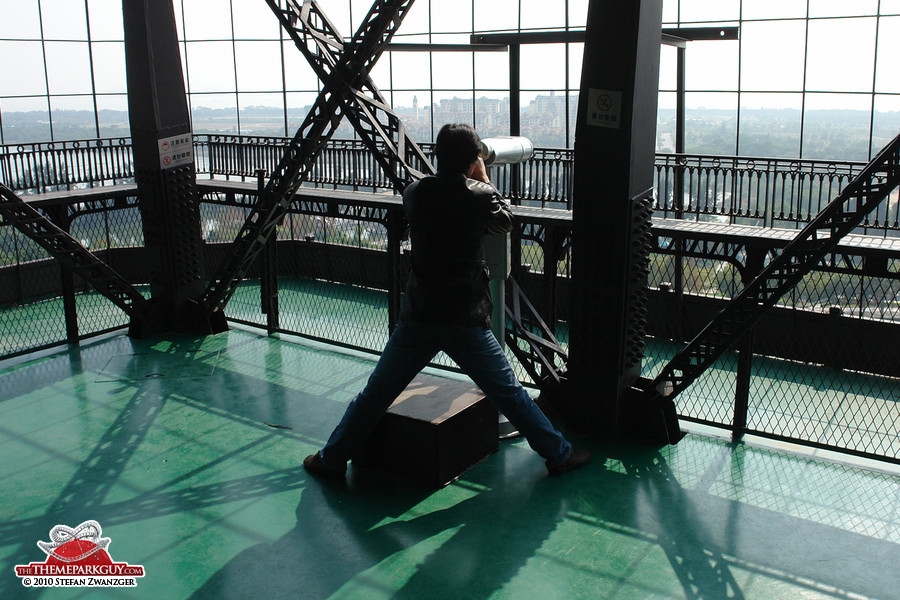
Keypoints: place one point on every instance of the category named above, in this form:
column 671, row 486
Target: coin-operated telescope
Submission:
column 506, row 150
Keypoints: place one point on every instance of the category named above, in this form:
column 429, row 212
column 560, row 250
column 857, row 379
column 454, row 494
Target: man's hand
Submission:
column 478, row 171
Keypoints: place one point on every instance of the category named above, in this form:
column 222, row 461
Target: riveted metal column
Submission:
column 615, row 140
column 163, row 163
column 60, row 217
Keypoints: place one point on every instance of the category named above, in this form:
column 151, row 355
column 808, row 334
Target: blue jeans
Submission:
column 412, row 345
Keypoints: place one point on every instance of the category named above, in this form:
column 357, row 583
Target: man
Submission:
column 447, row 306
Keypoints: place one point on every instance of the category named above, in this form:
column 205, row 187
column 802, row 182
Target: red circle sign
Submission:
column 604, row 102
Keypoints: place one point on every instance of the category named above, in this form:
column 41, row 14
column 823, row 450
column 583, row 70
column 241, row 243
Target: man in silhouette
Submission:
column 447, row 306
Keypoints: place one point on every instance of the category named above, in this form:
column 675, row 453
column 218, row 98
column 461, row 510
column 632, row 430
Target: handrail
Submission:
column 744, row 190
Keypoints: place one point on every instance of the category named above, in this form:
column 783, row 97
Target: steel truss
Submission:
column 343, row 69
column 531, row 341
column 348, row 91
column 804, row 253
column 72, row 255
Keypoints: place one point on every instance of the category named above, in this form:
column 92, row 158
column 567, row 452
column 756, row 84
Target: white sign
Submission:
column 176, row 151
column 604, row 108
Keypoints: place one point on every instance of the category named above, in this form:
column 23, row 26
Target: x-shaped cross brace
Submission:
column 347, row 90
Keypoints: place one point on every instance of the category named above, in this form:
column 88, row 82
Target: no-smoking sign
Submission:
column 604, row 108
column 604, row 102
column 176, row 150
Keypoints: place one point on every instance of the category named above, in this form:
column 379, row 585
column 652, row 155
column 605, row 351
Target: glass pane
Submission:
column 258, row 66
column 705, row 10
column 412, row 108
column 381, row 72
column 710, row 123
column 262, row 114
column 491, row 113
column 543, row 118
column 73, row 117
column 339, row 15
column 415, row 22
column 207, row 20
column 836, row 126
column 492, row 70
column 214, row 113
column 25, row 75
column 536, row 14
column 359, row 8
column 712, row 65
column 665, row 122
column 210, row 66
column 452, row 70
column 842, row 8
column 577, row 13
column 890, row 7
column 255, row 20
column 68, row 67
column 63, row 20
column 452, row 17
column 25, row 120
column 765, row 70
column 21, row 20
column 576, row 56
column 841, row 55
column 105, row 17
column 494, row 15
column 109, row 67
column 298, row 105
column 886, row 123
column 112, row 113
column 670, row 12
column 452, row 108
column 887, row 75
column 668, row 68
column 299, row 76
column 543, row 66
column 774, row 9
column 410, row 70
column 770, row 125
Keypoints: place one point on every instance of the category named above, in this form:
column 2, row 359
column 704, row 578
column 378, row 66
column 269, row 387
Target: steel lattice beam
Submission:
column 370, row 114
column 348, row 92
column 342, row 67
column 807, row 250
column 72, row 255
column 544, row 358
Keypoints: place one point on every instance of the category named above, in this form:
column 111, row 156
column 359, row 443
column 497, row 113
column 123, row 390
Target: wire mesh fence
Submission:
column 823, row 368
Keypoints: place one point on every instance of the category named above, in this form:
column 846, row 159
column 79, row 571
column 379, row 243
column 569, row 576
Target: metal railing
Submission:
column 766, row 192
column 825, row 366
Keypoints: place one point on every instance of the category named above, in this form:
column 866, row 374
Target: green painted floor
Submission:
column 170, row 446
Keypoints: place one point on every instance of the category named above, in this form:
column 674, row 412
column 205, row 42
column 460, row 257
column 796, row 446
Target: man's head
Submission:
column 457, row 146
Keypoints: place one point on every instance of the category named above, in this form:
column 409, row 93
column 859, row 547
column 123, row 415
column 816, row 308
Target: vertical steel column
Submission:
column 164, row 164
column 755, row 263
column 60, row 216
column 515, row 112
column 678, row 194
column 268, row 279
column 615, row 141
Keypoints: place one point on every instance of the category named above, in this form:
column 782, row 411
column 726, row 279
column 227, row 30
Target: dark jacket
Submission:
column 448, row 219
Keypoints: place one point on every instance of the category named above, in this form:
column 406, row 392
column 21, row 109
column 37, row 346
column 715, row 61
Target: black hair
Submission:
column 457, row 146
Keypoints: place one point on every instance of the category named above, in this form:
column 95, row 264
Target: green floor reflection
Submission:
column 187, row 452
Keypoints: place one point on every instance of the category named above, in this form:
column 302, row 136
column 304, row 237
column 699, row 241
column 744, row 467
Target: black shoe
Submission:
column 576, row 460
column 314, row 465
